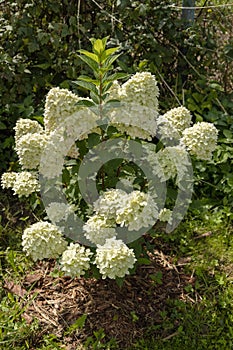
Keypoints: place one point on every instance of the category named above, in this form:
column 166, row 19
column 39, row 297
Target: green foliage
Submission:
column 101, row 63
column 14, row 330
column 217, row 174
column 39, row 43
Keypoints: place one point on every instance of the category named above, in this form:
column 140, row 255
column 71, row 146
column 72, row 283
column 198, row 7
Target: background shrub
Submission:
column 193, row 64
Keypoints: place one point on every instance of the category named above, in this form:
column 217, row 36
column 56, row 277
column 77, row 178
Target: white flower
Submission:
column 98, row 229
column 26, row 183
column 109, row 202
column 135, row 120
column 141, row 89
column 166, row 130
column 60, row 142
column 29, row 149
column 27, row 126
column 58, row 211
column 114, row 258
column 175, row 163
column 139, row 109
column 139, row 210
column 115, row 91
column 133, row 210
column 167, row 164
column 179, row 117
column 82, row 123
column 8, row 179
column 43, row 240
column 200, row 140
column 75, row 260
column 59, row 104
column 165, row 215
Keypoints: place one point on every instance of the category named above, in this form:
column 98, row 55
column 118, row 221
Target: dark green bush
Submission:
column 39, row 43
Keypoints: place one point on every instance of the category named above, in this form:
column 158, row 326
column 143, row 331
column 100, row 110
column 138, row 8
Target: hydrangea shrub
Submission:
column 125, row 204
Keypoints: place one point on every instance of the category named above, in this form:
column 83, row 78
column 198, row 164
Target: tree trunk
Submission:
column 188, row 13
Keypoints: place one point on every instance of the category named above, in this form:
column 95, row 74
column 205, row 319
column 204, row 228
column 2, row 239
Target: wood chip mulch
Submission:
column 124, row 313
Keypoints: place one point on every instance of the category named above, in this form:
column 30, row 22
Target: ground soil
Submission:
column 125, row 313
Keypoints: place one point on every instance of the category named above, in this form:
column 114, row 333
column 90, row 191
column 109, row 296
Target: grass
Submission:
column 203, row 243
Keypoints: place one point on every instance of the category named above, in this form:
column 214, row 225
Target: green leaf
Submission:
column 108, row 53
column 2, row 126
column 93, row 140
column 117, row 76
column 39, row 118
column 78, row 324
column 95, row 97
column 86, row 85
column 105, row 96
column 228, row 134
column 85, row 103
column 144, row 261
column 90, row 62
column 91, row 55
column 106, row 87
column 42, row 65
column 109, row 61
column 65, row 176
column 99, row 45
column 112, row 103
column 88, row 79
column 120, row 281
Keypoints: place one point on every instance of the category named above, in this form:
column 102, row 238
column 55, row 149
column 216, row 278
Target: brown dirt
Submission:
column 125, row 313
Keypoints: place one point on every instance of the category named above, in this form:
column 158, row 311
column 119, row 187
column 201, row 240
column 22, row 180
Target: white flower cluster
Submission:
column 98, row 228
column 23, row 183
column 200, row 140
column 142, row 89
column 114, row 258
column 165, row 130
column 8, row 179
column 115, row 91
column 165, row 215
column 43, row 240
column 179, row 117
column 26, row 183
column 167, row 164
column 110, row 202
column 75, row 260
column 139, row 210
column 135, row 120
column 58, row 211
column 27, row 126
column 138, row 113
column 60, row 108
column 132, row 210
column 29, row 148
column 59, row 104
column 82, row 123
column 173, row 161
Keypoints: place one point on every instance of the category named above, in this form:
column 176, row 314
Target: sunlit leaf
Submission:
column 108, row 53
column 90, row 62
column 109, row 61
column 91, row 55
column 88, row 79
column 86, row 85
